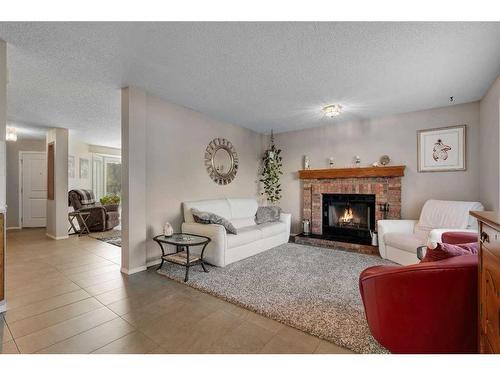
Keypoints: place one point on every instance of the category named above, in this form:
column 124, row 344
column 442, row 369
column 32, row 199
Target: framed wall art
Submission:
column 84, row 168
column 71, row 166
column 442, row 149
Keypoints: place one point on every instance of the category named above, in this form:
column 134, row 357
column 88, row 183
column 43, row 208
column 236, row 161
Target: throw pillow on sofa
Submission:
column 211, row 218
column 446, row 250
column 267, row 214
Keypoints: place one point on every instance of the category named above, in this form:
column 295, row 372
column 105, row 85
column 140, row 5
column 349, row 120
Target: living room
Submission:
column 267, row 202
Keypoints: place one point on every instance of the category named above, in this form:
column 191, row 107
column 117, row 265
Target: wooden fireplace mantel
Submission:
column 329, row 173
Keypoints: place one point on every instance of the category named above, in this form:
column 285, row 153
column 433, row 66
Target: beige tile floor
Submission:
column 69, row 296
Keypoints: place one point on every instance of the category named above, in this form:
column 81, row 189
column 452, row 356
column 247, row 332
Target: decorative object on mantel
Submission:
column 328, row 173
column 375, row 164
column 357, row 161
column 271, row 172
column 306, row 162
column 442, row 149
column 221, row 161
column 330, row 162
column 385, row 160
column 168, row 230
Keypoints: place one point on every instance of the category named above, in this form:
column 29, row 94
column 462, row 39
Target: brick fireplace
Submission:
column 382, row 183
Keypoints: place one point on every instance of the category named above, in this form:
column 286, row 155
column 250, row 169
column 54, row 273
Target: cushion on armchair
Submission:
column 446, row 250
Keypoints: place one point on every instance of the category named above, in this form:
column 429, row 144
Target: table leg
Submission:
column 162, row 254
column 71, row 218
column 85, row 229
column 201, row 258
column 186, row 277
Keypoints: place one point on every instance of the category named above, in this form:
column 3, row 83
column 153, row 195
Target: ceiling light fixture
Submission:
column 11, row 134
column 332, row 110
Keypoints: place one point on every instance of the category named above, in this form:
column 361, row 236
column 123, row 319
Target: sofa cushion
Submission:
column 267, row 214
column 217, row 206
column 446, row 250
column 211, row 218
column 272, row 229
column 243, row 222
column 404, row 241
column 245, row 236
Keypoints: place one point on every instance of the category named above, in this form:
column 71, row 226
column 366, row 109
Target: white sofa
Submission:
column 399, row 239
column 251, row 239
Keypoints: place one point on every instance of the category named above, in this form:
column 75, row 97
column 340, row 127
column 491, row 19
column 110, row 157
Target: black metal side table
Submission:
column 182, row 242
column 83, row 216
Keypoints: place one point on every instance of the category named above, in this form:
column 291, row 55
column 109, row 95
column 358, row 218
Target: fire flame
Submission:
column 347, row 217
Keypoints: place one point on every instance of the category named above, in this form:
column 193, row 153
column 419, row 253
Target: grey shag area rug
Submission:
column 113, row 237
column 309, row 288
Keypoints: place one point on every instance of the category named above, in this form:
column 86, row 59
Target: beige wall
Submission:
column 489, row 118
column 175, row 147
column 13, row 149
column 395, row 136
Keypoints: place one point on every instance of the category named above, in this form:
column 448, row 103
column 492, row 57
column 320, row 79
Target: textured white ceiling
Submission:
column 259, row 75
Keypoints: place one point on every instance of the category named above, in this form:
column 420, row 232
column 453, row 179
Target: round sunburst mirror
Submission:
column 221, row 161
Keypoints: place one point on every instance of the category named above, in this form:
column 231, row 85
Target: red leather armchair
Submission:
column 424, row 308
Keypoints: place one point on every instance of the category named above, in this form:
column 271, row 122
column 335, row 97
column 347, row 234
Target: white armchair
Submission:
column 399, row 239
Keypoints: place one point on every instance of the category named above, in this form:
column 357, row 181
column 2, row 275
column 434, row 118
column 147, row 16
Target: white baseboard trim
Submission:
column 153, row 262
column 3, row 306
column 11, row 228
column 57, row 238
column 133, row 270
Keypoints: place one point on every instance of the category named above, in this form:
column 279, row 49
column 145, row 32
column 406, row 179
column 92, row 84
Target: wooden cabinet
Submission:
column 489, row 281
column 2, row 258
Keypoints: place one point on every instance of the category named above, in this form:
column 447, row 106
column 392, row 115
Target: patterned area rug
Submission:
column 113, row 237
column 309, row 288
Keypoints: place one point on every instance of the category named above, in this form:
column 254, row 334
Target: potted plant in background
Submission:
column 110, row 200
column 271, row 172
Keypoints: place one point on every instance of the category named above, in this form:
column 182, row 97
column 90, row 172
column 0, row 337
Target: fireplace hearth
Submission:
column 349, row 217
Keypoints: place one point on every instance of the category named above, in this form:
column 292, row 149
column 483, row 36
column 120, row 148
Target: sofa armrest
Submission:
column 287, row 219
column 435, row 235
column 389, row 226
column 215, row 253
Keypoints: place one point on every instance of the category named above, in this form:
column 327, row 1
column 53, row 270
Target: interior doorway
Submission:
column 33, row 189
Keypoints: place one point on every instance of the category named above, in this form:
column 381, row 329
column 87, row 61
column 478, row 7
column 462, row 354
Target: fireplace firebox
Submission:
column 349, row 217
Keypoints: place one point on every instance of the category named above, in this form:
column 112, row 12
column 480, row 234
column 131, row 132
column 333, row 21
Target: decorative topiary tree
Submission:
column 271, row 172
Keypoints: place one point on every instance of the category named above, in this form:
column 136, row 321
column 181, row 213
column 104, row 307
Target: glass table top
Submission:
column 182, row 239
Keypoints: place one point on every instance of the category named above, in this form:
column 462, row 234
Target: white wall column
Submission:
column 3, row 119
column 133, row 180
column 57, row 209
column 3, row 124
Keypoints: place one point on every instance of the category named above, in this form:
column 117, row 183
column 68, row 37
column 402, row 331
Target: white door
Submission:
column 34, row 189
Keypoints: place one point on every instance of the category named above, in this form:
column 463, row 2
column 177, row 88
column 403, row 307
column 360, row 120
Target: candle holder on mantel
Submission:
column 384, row 208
